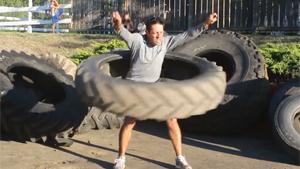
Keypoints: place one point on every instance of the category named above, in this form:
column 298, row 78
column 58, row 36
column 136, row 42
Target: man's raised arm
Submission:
column 191, row 33
column 117, row 20
column 121, row 30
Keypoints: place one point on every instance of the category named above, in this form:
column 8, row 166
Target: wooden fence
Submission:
column 94, row 14
column 25, row 24
column 238, row 15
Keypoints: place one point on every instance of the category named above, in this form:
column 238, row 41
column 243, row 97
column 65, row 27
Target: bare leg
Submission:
column 125, row 135
column 175, row 135
column 53, row 27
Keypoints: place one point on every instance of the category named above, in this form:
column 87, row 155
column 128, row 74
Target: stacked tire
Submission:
column 247, row 84
column 284, row 116
column 37, row 100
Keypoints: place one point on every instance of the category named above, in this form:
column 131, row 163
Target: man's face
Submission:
column 155, row 34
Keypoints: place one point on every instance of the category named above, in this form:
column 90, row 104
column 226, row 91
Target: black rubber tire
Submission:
column 5, row 86
column 247, row 84
column 283, row 91
column 97, row 119
column 105, row 120
column 286, row 125
column 110, row 120
column 200, row 87
column 281, row 117
column 43, row 101
column 58, row 61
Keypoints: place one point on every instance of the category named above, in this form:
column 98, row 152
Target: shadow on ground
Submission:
column 256, row 143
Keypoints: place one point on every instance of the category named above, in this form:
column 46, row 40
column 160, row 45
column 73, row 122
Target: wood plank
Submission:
column 243, row 16
column 175, row 14
column 227, row 13
column 34, row 29
column 269, row 13
column 191, row 13
column 255, row 13
column 217, row 10
column 201, row 13
column 183, row 19
column 233, row 13
column 289, row 13
column 221, row 13
column 34, row 22
column 238, row 13
column 205, row 7
column 282, row 13
column 249, row 14
column 276, row 18
column 297, row 13
column 4, row 9
column 210, row 6
column 263, row 19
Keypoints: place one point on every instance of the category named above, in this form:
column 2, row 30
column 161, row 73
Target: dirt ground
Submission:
column 150, row 147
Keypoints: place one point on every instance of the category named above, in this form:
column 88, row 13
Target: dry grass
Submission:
column 42, row 43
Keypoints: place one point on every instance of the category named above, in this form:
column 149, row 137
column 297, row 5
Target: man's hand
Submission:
column 211, row 20
column 117, row 20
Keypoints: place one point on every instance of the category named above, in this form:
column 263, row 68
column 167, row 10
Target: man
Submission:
column 146, row 63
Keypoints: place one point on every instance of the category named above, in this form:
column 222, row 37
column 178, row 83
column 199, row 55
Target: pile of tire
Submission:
column 188, row 86
column 38, row 101
column 284, row 113
column 247, row 83
column 94, row 119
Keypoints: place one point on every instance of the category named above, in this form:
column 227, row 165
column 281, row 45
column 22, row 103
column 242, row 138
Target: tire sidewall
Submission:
column 283, row 124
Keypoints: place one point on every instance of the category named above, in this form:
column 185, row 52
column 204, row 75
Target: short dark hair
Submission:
column 154, row 20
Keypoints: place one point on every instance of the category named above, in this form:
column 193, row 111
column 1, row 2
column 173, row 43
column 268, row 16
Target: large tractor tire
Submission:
column 199, row 87
column 69, row 68
column 247, row 84
column 97, row 119
column 287, row 89
column 43, row 101
column 285, row 118
column 5, row 86
column 58, row 61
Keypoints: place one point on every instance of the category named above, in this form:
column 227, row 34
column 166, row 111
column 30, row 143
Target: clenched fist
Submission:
column 117, row 20
column 212, row 18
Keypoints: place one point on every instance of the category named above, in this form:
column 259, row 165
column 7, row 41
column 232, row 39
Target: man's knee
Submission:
column 129, row 122
column 172, row 123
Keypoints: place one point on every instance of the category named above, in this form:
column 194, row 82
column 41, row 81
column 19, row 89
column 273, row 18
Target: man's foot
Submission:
column 181, row 163
column 119, row 163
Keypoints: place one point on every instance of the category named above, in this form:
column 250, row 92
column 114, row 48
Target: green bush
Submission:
column 282, row 59
column 98, row 48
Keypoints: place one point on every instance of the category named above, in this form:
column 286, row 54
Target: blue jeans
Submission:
column 58, row 13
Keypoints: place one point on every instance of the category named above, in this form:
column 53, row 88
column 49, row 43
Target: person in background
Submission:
column 56, row 13
column 141, row 28
column 147, row 54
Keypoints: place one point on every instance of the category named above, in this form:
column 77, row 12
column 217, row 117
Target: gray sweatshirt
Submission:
column 146, row 61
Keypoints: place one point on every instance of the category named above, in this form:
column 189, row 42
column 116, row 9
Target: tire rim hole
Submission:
column 171, row 69
column 222, row 59
column 178, row 70
column 45, row 86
